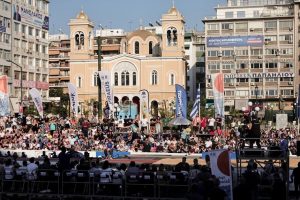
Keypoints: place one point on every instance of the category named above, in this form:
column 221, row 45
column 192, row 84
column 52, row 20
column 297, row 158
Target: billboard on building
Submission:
column 235, row 41
column 28, row 16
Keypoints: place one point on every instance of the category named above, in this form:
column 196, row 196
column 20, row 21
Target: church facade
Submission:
column 145, row 61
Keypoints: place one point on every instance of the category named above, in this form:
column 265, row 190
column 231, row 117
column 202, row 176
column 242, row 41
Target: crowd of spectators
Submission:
column 29, row 133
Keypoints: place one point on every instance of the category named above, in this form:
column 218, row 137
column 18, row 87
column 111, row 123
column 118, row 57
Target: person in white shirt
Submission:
column 211, row 123
column 31, row 168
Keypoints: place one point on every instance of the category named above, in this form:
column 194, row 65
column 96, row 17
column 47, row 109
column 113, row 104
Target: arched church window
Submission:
column 150, row 47
column 134, row 78
column 136, row 47
column 116, row 78
column 172, row 36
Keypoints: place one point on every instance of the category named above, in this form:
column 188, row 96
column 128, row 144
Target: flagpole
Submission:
column 199, row 102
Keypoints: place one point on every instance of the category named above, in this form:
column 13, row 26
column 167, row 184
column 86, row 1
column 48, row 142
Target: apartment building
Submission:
column 255, row 44
column 59, row 67
column 194, row 46
column 29, row 48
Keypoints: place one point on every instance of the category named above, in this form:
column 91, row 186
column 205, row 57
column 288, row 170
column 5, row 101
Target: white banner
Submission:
column 73, row 98
column 221, row 167
column 144, row 99
column 106, row 85
column 37, row 99
column 218, row 91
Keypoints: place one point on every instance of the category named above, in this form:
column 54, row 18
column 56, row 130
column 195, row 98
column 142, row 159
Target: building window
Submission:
column 272, row 92
column 212, row 27
column 116, row 79
column 241, row 14
column 172, row 79
column 125, row 78
column 150, row 47
column 154, row 77
column 136, row 47
column 256, row 65
column 271, row 65
column 228, row 15
column 79, row 39
column 227, row 26
column 134, row 78
column 79, row 82
column 271, row 25
column 95, row 79
column 172, row 36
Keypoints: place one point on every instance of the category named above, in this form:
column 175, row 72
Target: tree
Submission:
column 63, row 105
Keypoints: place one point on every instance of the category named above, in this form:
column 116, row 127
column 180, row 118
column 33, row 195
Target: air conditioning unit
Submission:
column 38, row 69
column 260, row 57
column 266, row 42
column 252, row 29
column 275, row 7
column 208, row 84
column 291, row 28
column 231, row 84
column 290, row 83
column 252, row 84
column 237, row 84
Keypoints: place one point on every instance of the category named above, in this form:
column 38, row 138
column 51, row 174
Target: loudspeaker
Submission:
column 298, row 148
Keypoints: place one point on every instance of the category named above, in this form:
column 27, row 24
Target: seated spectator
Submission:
column 182, row 166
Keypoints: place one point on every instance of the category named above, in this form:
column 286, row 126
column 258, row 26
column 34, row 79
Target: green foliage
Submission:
column 61, row 107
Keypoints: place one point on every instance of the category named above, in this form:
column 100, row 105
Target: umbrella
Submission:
column 180, row 121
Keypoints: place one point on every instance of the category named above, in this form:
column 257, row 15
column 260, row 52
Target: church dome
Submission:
column 82, row 15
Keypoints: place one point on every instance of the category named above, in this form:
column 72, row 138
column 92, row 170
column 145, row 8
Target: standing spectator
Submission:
column 63, row 159
column 211, row 123
column 196, row 123
column 203, row 123
column 219, row 121
column 85, row 128
column 182, row 166
column 296, row 178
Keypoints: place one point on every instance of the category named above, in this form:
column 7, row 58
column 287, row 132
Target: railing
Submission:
column 99, row 183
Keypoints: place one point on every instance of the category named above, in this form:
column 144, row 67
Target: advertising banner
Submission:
column 236, row 41
column 221, row 168
column 73, row 98
column 144, row 99
column 37, row 99
column 4, row 96
column 218, row 92
column 25, row 15
column 106, row 85
column 181, row 101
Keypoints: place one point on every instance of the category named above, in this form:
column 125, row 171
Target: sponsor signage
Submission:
column 181, row 101
column 73, row 98
column 235, row 41
column 259, row 75
column 23, row 14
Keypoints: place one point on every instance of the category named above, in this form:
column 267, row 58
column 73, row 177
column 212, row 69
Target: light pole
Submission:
column 21, row 82
column 99, row 81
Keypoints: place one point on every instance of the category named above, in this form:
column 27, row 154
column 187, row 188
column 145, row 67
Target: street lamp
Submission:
column 21, row 82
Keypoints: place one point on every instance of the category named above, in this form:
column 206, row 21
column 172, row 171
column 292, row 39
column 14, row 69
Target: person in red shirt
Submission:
column 85, row 128
column 203, row 123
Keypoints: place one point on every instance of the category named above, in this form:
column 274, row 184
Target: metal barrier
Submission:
column 97, row 184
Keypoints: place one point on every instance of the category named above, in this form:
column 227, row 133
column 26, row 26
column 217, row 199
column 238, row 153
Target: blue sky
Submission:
column 127, row 14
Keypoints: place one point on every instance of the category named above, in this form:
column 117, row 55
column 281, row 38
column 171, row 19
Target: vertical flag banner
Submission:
column 106, row 85
column 37, row 99
column 181, row 101
column 221, row 168
column 4, row 96
column 73, row 98
column 196, row 106
column 218, row 91
column 298, row 103
column 144, row 99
